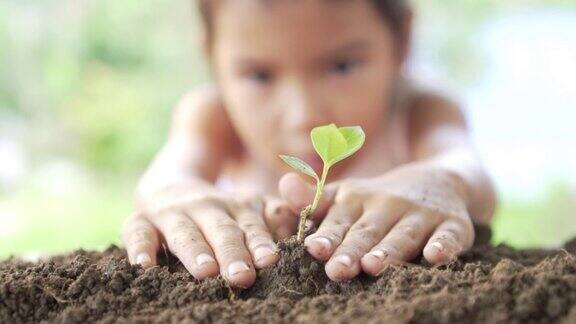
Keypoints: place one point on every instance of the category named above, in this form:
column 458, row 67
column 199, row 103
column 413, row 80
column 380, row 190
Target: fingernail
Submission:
column 324, row 242
column 439, row 246
column 143, row 259
column 237, row 267
column 204, row 258
column 344, row 259
column 262, row 252
column 380, row 254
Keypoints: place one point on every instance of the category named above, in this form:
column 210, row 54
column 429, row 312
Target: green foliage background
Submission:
column 86, row 89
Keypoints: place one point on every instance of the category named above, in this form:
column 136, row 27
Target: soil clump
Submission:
column 487, row 284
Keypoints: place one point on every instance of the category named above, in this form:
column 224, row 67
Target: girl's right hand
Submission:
column 210, row 232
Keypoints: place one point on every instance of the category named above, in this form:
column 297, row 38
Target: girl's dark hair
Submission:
column 394, row 12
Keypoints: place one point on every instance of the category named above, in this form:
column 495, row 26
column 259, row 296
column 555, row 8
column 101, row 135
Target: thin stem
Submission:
column 319, row 189
column 309, row 210
column 304, row 214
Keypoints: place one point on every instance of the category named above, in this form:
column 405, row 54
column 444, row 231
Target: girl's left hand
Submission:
column 367, row 223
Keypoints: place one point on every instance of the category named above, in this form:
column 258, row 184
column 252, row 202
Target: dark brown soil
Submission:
column 486, row 285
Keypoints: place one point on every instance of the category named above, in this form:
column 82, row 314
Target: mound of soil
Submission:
column 487, row 284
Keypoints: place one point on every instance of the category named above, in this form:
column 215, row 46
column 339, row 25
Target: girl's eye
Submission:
column 343, row 66
column 262, row 77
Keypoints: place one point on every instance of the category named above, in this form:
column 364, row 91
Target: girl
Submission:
column 217, row 195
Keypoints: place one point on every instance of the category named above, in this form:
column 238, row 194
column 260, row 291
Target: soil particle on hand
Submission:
column 485, row 285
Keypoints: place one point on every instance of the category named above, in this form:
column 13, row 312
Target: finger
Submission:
column 299, row 194
column 402, row 243
column 227, row 241
column 187, row 243
column 141, row 241
column 280, row 220
column 331, row 232
column 362, row 236
column 449, row 240
column 249, row 216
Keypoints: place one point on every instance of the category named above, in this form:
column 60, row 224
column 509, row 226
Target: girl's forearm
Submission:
column 176, row 165
column 439, row 136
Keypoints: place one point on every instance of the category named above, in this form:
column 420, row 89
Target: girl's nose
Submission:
column 302, row 107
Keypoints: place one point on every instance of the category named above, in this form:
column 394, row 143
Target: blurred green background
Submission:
column 86, row 89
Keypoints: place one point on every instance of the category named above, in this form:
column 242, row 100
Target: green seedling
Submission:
column 333, row 144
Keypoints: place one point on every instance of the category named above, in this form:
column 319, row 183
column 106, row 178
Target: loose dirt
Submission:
column 486, row 285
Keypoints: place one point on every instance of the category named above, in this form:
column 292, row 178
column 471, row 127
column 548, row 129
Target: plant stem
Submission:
column 309, row 210
column 319, row 189
column 304, row 214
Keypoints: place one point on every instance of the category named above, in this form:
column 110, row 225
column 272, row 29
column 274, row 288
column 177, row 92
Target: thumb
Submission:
column 300, row 193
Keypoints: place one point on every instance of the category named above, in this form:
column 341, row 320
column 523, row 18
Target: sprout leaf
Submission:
column 299, row 165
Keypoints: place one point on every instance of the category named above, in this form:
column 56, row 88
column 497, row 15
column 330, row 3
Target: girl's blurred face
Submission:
column 284, row 67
